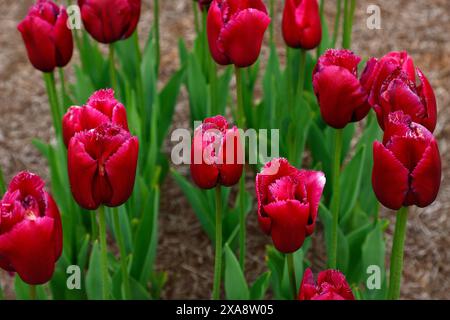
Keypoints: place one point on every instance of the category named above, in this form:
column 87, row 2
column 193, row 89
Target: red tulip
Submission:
column 288, row 200
column 236, row 31
column 302, row 27
column 216, row 154
column 47, row 38
column 331, row 285
column 100, row 108
column 341, row 97
column 102, row 166
column 110, row 21
column 30, row 230
column 407, row 166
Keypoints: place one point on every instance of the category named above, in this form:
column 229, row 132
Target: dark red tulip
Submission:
column 407, row 166
column 102, row 166
column 236, row 31
column 288, row 200
column 30, row 230
column 101, row 107
column 302, row 27
column 112, row 20
column 216, row 154
column 331, row 285
column 341, row 97
column 47, row 38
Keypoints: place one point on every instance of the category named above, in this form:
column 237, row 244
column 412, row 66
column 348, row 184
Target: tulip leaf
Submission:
column 235, row 285
column 276, row 264
column 22, row 290
column 356, row 239
column 82, row 256
column 198, row 90
column 260, row 286
column 2, row 183
column 94, row 275
column 373, row 257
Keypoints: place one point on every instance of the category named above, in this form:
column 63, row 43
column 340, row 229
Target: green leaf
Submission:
column 83, row 253
column 94, row 285
column 235, row 285
column 260, row 286
column 22, row 290
column 2, row 183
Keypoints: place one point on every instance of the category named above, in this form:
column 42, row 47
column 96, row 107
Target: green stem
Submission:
column 103, row 248
column 137, row 48
column 321, row 12
column 62, row 79
column 291, row 270
column 94, row 231
column 349, row 11
column 242, row 222
column 123, row 255
column 212, row 85
column 32, row 292
column 240, row 115
column 157, row 34
column 335, row 204
column 301, row 76
column 337, row 22
column 53, row 100
column 272, row 17
column 196, row 21
column 218, row 241
column 112, row 67
column 397, row 254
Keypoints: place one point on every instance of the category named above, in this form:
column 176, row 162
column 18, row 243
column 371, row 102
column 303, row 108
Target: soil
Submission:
column 184, row 251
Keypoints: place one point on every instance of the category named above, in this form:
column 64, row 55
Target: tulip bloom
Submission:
column 216, row 154
column 302, row 27
column 341, row 97
column 110, row 21
column 393, row 87
column 407, row 166
column 102, row 166
column 30, row 230
column 236, row 31
column 288, row 200
column 331, row 285
column 101, row 107
column 46, row 36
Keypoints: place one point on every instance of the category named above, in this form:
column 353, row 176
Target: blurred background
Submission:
column 185, row 253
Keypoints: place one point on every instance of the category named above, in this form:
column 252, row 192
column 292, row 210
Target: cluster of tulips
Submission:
column 110, row 153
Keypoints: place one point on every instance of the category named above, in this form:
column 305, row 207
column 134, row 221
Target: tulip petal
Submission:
column 231, row 154
column 429, row 97
column 288, row 219
column 28, row 248
column 63, row 40
column 241, row 38
column 426, row 177
column 315, row 183
column 389, row 178
column 53, row 212
column 121, row 171
column 214, row 26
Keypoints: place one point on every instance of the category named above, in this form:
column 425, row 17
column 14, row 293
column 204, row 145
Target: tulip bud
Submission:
column 204, row 4
column 341, row 97
column 101, row 107
column 236, row 31
column 216, row 154
column 46, row 36
column 331, row 285
column 392, row 86
column 110, row 21
column 102, row 166
column 302, row 27
column 30, row 230
column 288, row 200
column 407, row 166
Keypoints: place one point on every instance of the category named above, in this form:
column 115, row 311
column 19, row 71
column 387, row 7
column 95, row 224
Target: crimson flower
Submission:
column 46, row 36
column 407, row 165
column 30, row 230
column 331, row 285
column 102, row 166
column 302, row 27
column 341, row 97
column 288, row 200
column 112, row 20
column 100, row 108
column 216, row 154
column 236, row 31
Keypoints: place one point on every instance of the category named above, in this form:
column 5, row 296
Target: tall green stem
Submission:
column 103, row 249
column 291, row 270
column 241, row 123
column 123, row 255
column 157, row 33
column 218, row 256
column 62, row 79
column 112, row 67
column 196, row 20
column 396, row 268
column 335, row 204
column 337, row 22
column 349, row 11
column 53, row 100
column 32, row 292
column 272, row 17
column 94, row 231
column 301, row 76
